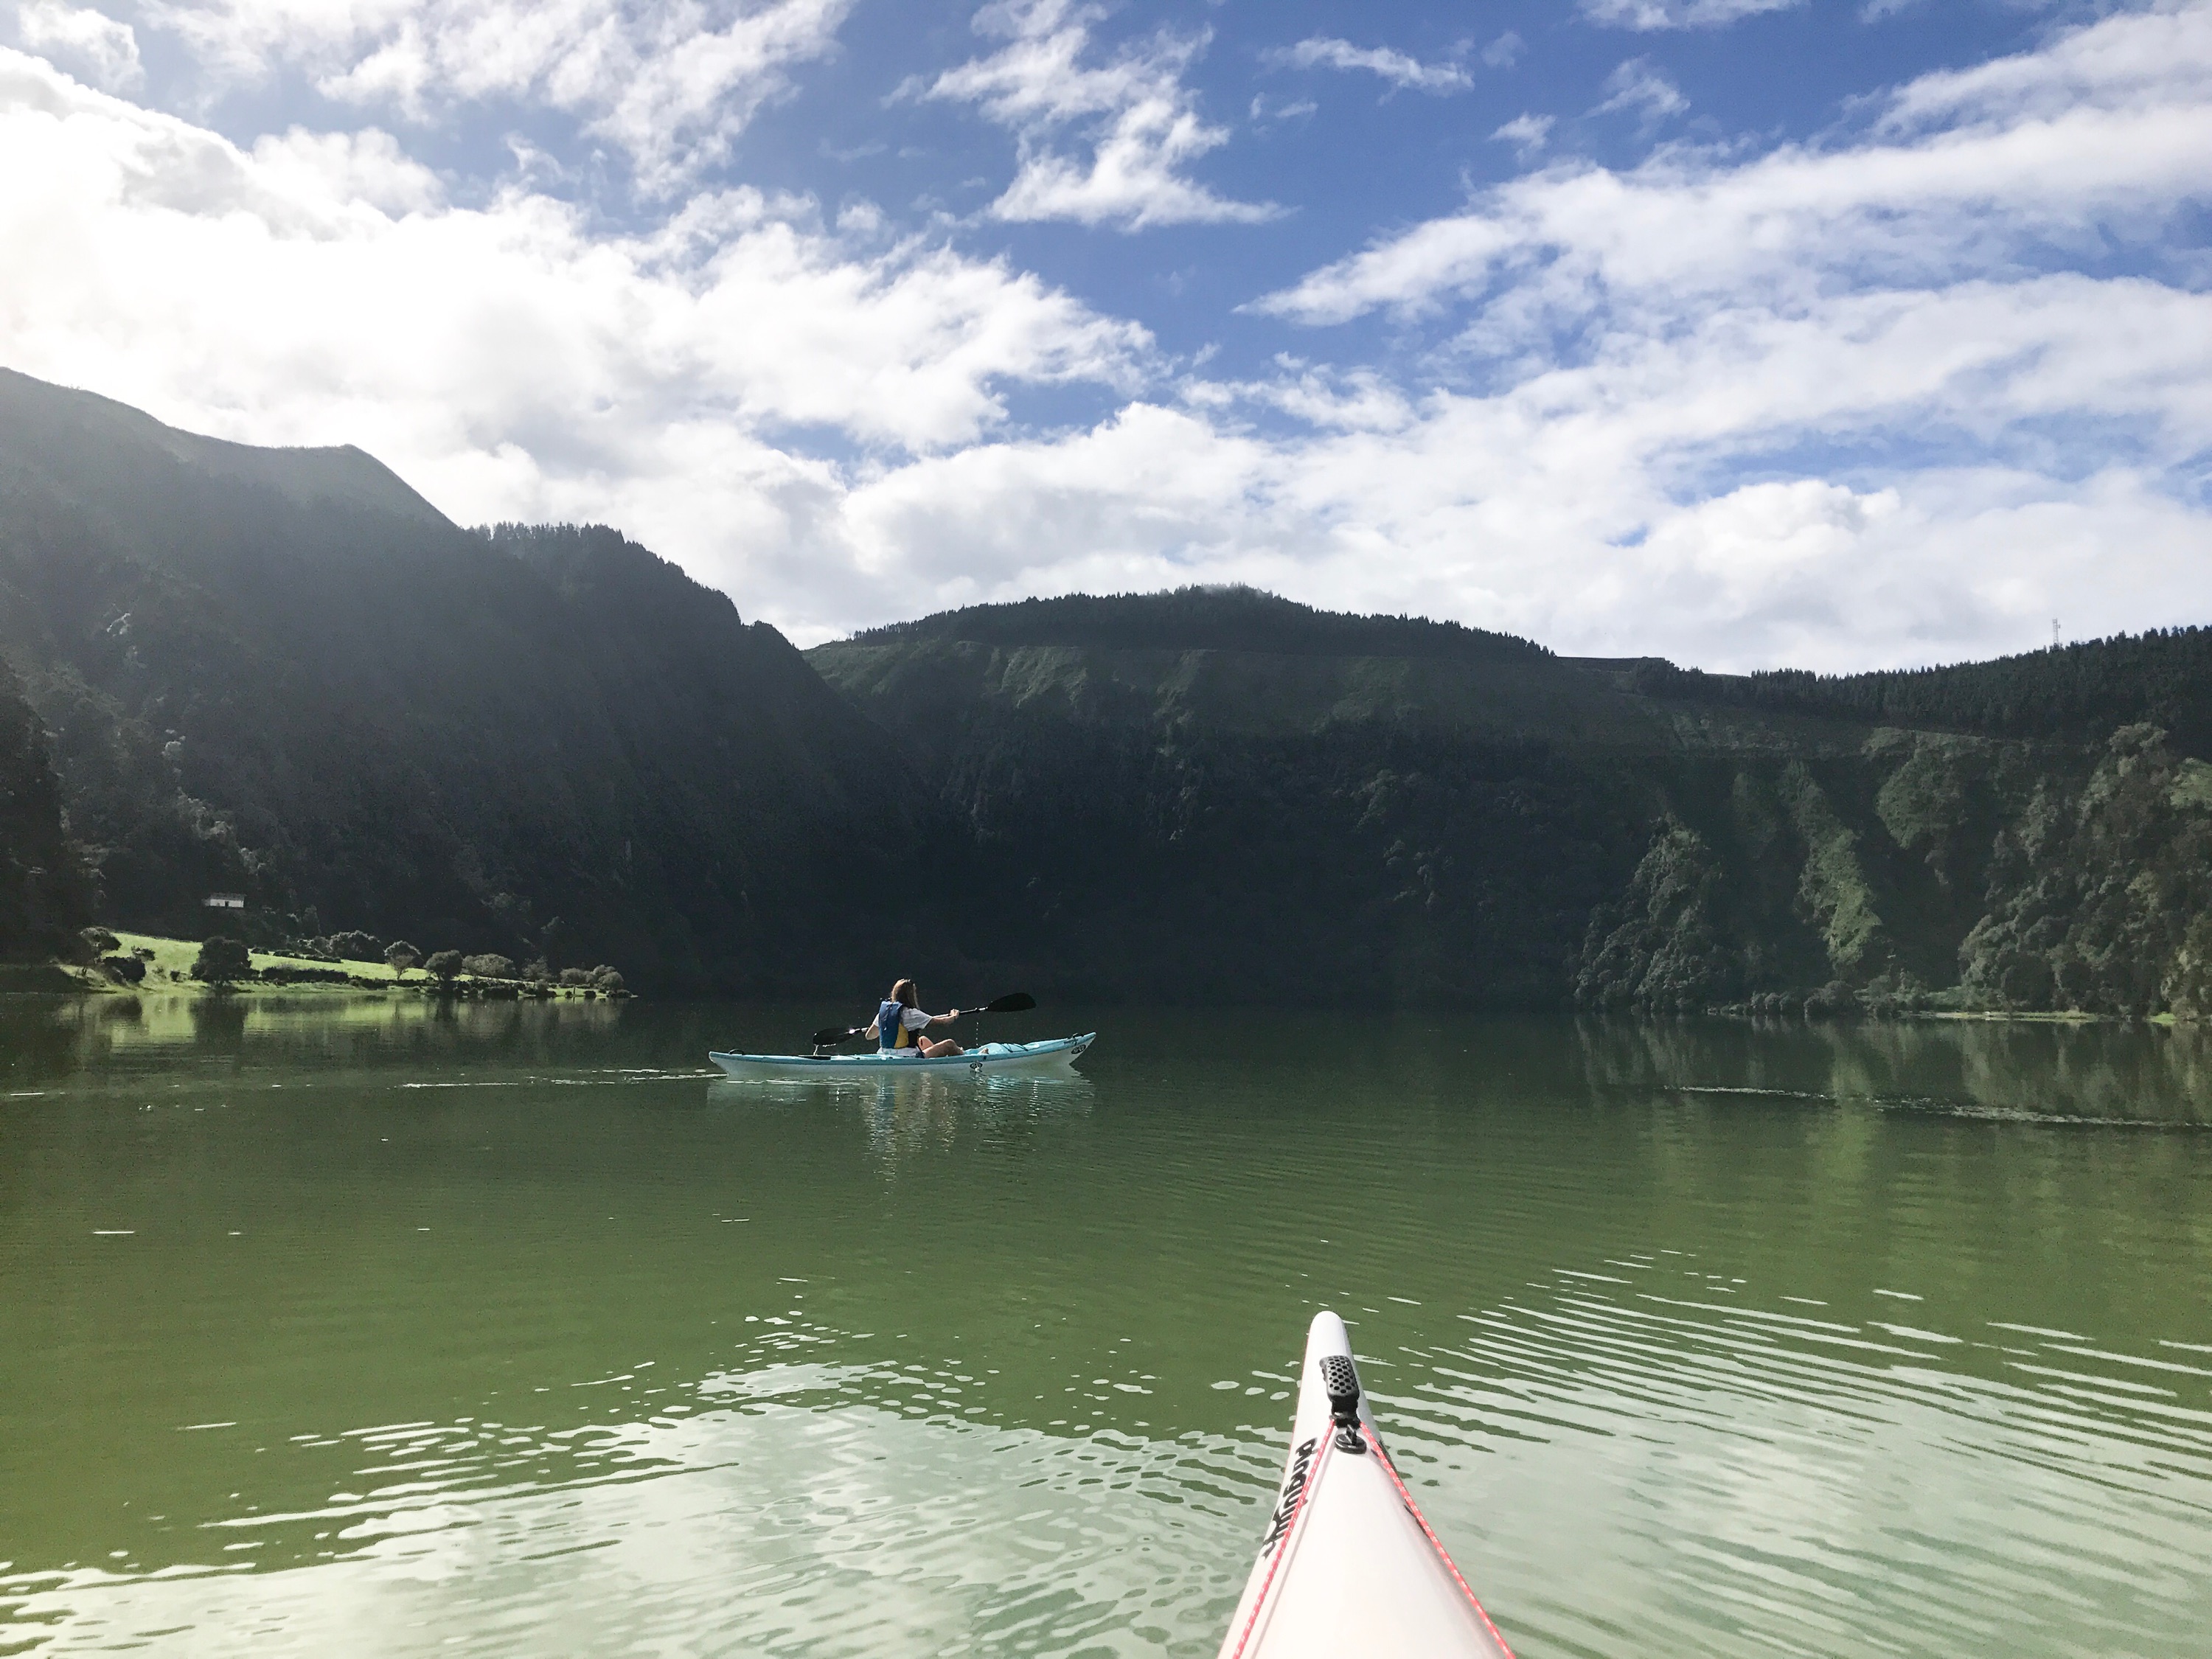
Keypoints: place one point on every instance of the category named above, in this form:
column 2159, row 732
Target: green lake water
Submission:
column 376, row 1328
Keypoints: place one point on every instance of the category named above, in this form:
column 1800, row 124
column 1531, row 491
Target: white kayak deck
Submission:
column 992, row 1059
column 1348, row 1566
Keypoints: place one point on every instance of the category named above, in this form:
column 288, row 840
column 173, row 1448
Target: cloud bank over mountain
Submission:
column 1089, row 311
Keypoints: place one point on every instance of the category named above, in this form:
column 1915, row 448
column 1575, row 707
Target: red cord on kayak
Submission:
column 1290, row 1536
column 1442, row 1554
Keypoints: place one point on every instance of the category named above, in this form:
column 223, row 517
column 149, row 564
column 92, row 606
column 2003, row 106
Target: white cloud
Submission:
column 2158, row 57
column 1641, row 85
column 1360, row 399
column 1264, row 114
column 80, row 39
column 320, row 289
column 1648, row 15
column 1581, row 507
column 1397, row 68
column 1139, row 122
column 1878, row 399
column 1828, row 405
column 1505, row 51
column 1526, row 133
column 2103, row 133
column 671, row 84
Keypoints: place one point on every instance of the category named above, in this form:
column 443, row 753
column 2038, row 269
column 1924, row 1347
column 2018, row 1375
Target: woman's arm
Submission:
column 945, row 1019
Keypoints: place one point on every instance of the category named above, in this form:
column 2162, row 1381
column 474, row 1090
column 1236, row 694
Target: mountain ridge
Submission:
column 1756, row 841
column 341, row 474
column 359, row 714
column 283, row 673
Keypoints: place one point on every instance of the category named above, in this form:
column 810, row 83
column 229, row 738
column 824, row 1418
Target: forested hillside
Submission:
column 283, row 673
column 1233, row 797
column 1206, row 619
column 2075, row 692
column 43, row 898
column 1270, row 800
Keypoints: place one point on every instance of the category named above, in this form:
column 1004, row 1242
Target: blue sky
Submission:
column 1746, row 331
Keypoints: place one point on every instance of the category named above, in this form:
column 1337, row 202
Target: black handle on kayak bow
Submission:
column 1342, row 1378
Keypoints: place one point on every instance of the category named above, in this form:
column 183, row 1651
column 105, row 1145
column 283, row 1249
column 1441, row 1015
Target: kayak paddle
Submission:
column 1014, row 1002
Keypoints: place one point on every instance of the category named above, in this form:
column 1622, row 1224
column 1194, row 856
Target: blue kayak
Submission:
column 992, row 1059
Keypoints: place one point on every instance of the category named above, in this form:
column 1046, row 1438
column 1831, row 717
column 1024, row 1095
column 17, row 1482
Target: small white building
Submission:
column 224, row 901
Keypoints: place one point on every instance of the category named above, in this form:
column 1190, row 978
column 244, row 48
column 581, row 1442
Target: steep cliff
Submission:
column 282, row 672
column 1445, row 815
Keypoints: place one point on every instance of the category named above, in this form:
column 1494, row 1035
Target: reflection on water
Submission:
column 2024, row 1069
column 868, row 1530
column 907, row 1114
column 510, row 1329
column 51, row 1037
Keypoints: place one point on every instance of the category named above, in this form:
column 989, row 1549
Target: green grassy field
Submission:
column 172, row 958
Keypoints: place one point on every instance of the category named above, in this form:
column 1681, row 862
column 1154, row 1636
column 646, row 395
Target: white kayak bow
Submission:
column 1348, row 1565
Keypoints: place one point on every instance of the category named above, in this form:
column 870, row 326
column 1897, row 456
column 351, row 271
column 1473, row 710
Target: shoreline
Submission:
column 57, row 979
column 168, row 973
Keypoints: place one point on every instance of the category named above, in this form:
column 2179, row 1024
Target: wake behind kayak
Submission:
column 1348, row 1565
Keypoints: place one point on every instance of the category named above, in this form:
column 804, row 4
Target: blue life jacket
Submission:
column 891, row 1028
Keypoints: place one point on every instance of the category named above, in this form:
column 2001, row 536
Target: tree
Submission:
column 444, row 964
column 488, row 967
column 607, row 981
column 402, row 956
column 356, row 946
column 223, row 960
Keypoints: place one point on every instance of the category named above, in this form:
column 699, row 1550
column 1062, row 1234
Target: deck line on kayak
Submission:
column 1375, row 1444
column 1289, row 1543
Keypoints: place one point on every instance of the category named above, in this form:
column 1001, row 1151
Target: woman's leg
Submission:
column 940, row 1049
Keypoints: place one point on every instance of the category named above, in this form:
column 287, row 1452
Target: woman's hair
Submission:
column 903, row 992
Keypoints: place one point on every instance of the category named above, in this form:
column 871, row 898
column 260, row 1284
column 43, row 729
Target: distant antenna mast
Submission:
column 2054, row 633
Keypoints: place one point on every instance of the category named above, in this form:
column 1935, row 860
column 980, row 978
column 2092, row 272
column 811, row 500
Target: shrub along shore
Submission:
column 122, row 962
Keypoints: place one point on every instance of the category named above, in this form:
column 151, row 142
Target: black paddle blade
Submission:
column 831, row 1035
column 1019, row 1002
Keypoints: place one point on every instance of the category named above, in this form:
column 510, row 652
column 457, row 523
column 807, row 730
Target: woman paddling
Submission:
column 900, row 1024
